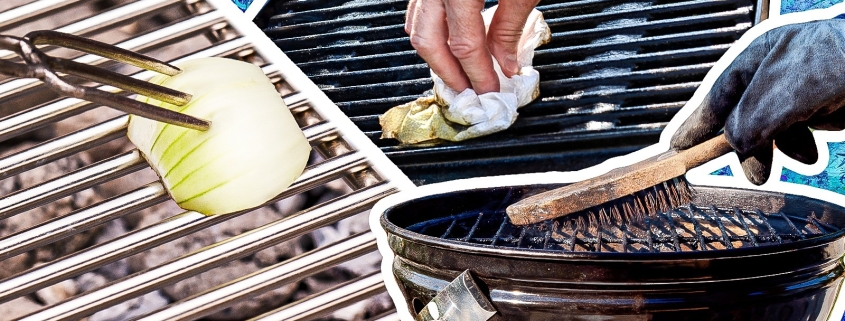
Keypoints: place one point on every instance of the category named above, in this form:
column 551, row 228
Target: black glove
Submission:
column 787, row 80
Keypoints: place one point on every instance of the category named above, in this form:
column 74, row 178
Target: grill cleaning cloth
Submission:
column 457, row 116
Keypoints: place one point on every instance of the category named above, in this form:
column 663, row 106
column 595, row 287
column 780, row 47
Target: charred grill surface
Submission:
column 614, row 73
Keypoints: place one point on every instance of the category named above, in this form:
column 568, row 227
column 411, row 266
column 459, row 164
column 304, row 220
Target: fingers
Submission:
column 758, row 165
column 710, row 117
column 798, row 143
column 833, row 122
column 409, row 16
column 792, row 86
column 430, row 37
column 506, row 30
column 467, row 42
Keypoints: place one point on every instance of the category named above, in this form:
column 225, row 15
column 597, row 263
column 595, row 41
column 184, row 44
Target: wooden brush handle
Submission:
column 616, row 183
column 702, row 153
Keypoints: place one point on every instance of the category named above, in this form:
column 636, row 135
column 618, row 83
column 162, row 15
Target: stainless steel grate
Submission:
column 198, row 29
column 688, row 228
column 613, row 74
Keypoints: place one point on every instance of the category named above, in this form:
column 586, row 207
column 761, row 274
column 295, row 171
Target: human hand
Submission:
column 786, row 81
column 450, row 36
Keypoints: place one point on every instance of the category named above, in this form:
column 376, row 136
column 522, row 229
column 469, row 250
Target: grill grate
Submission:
column 684, row 229
column 614, row 73
column 191, row 29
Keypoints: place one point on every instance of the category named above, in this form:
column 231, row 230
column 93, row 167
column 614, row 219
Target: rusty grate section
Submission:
column 40, row 132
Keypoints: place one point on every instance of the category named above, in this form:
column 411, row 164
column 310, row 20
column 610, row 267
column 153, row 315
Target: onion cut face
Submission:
column 252, row 152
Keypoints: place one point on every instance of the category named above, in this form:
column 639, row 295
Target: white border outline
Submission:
column 699, row 176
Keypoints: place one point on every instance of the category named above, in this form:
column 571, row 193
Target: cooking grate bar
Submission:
column 40, row 116
column 765, row 220
column 83, row 219
column 63, row 146
column 792, row 226
column 687, row 228
column 83, row 178
column 629, row 29
column 31, row 11
column 267, row 278
column 474, row 227
column 726, row 239
column 140, row 43
column 162, row 232
column 498, row 235
column 331, row 299
column 676, row 242
column 215, row 254
column 751, row 236
column 107, row 20
column 595, row 48
column 86, row 218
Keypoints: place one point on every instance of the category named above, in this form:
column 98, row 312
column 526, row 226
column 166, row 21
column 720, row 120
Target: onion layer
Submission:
column 253, row 151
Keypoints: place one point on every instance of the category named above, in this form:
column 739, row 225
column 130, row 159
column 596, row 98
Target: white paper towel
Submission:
column 467, row 114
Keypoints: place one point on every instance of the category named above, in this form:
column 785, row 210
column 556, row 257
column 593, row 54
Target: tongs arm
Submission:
column 46, row 68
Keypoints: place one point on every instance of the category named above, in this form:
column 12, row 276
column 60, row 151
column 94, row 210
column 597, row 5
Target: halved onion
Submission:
column 253, row 151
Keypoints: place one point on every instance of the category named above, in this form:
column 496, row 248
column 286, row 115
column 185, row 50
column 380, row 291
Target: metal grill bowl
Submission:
column 732, row 254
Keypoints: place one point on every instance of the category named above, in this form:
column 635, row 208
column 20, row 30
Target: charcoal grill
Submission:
column 731, row 254
column 612, row 76
column 202, row 28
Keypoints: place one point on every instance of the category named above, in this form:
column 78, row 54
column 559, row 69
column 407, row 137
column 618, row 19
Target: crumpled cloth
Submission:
column 450, row 115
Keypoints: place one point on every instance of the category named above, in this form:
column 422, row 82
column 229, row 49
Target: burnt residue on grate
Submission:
column 688, row 228
column 613, row 74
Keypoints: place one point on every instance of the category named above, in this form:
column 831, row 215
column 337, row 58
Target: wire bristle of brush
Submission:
column 631, row 209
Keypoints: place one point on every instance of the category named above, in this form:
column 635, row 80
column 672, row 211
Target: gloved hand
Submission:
column 788, row 80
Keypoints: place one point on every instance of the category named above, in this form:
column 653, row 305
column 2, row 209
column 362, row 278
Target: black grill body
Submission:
column 614, row 73
column 780, row 275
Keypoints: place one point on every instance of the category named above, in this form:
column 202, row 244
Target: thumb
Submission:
column 506, row 30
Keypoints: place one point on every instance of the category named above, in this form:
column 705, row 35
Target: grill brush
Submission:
column 655, row 184
column 39, row 65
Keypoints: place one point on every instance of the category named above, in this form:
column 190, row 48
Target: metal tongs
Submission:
column 39, row 65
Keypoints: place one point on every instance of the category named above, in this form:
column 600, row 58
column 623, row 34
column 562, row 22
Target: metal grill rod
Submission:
column 644, row 41
column 214, row 255
column 37, row 117
column 32, row 10
column 266, row 279
column 63, row 146
column 83, row 178
column 154, row 235
column 135, row 44
column 107, row 19
column 321, row 303
column 83, row 219
column 86, row 218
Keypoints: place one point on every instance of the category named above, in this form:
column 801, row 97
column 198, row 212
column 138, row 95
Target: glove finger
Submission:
column 798, row 143
column 792, row 85
column 757, row 166
column 834, row 121
column 709, row 118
